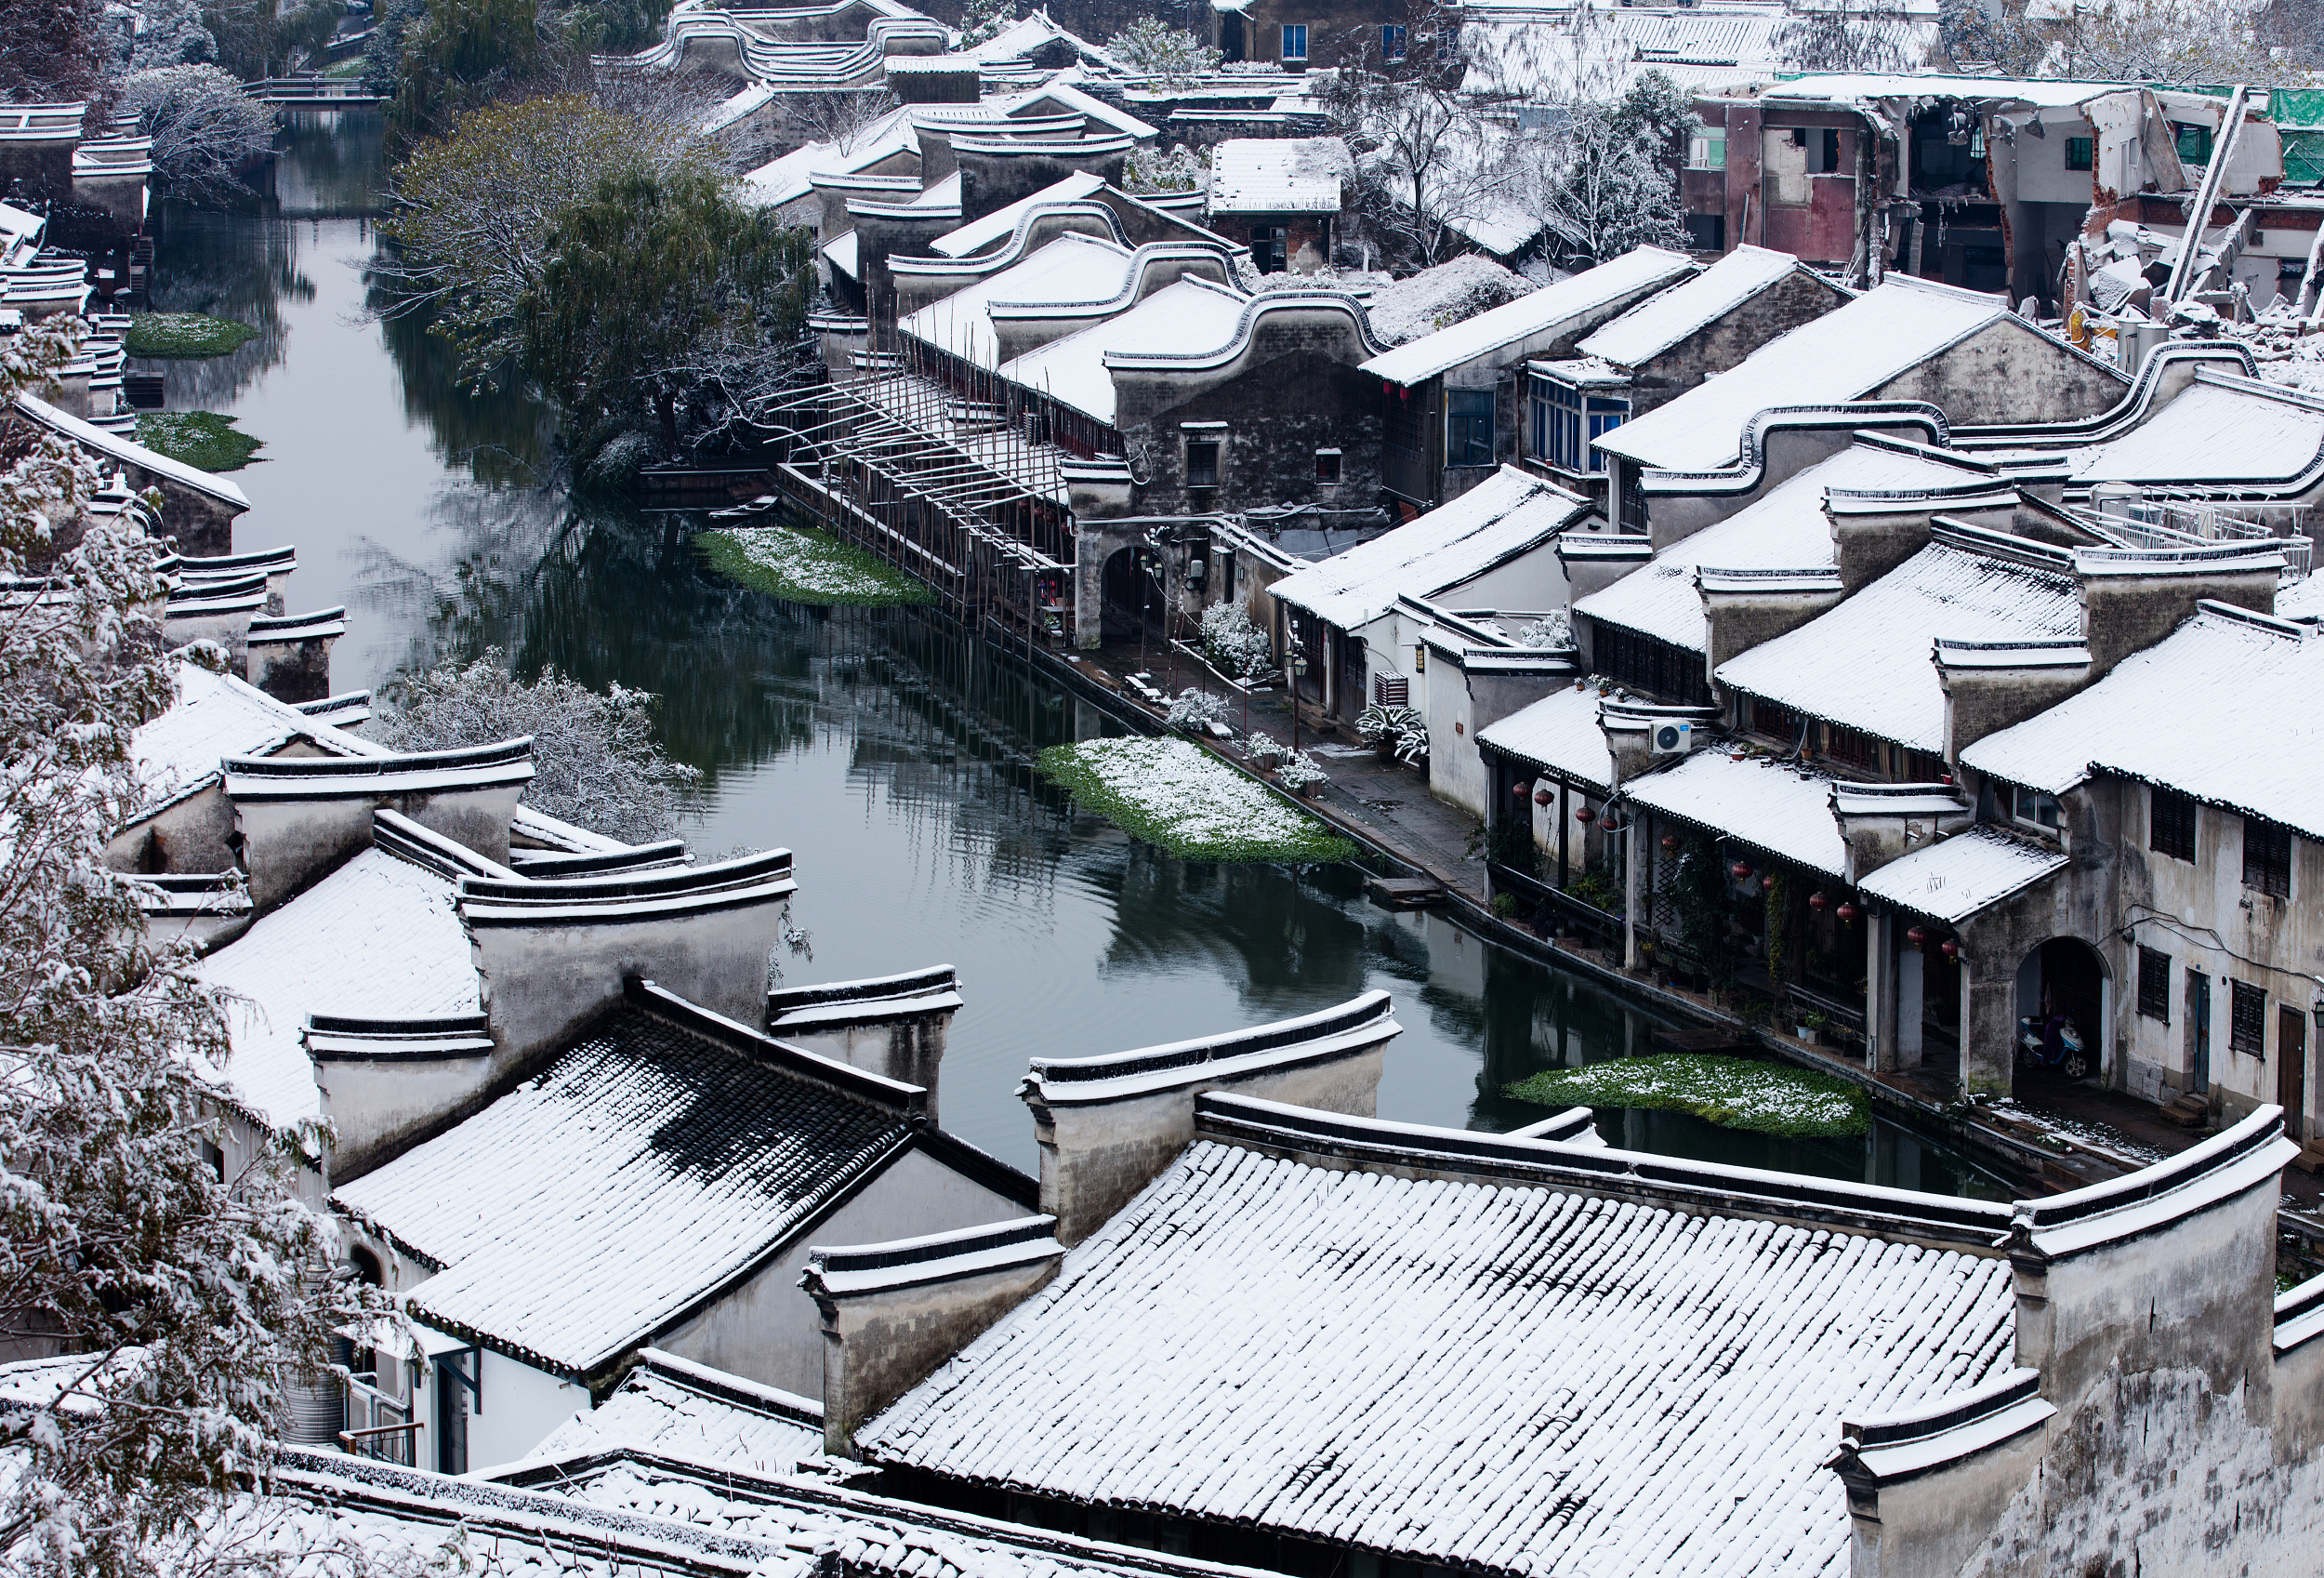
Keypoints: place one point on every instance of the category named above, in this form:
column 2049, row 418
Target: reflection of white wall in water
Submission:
column 1455, row 960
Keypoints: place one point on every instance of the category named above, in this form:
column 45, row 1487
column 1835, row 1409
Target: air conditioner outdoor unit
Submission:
column 1673, row 739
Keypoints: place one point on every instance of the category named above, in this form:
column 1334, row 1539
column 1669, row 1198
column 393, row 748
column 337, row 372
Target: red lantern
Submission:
column 1952, row 949
column 1671, row 843
column 1540, row 797
column 1584, row 814
column 1607, row 821
column 1816, row 901
column 1917, row 935
column 1741, row 868
column 1518, row 789
column 1846, row 912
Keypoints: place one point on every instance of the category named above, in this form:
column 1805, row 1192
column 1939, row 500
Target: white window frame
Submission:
column 1289, row 30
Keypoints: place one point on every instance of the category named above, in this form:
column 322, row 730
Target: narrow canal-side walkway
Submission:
column 2065, row 1135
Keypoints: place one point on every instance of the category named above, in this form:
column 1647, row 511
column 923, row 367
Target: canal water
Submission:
column 891, row 753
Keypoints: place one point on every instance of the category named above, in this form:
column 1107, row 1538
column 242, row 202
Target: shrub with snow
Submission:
column 1196, row 711
column 1553, row 630
column 1237, row 648
column 595, row 762
column 1403, row 728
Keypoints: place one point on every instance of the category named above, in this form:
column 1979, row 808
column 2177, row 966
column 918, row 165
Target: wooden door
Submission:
column 2291, row 1068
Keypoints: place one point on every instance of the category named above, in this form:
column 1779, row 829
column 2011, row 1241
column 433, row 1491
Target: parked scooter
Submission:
column 2053, row 1042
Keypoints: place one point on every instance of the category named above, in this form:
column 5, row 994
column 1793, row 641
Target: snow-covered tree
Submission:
column 983, row 20
column 177, row 1305
column 1170, row 55
column 204, row 128
column 170, row 32
column 1608, row 184
column 595, row 762
column 1847, row 36
column 1179, row 169
column 1237, row 648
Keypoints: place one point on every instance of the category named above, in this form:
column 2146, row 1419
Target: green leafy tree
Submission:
column 983, row 20
column 258, row 38
column 661, row 287
column 472, row 214
column 463, row 54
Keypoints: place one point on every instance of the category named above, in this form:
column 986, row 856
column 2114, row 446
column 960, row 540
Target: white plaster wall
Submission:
column 2042, row 173
column 768, row 1329
column 522, row 1406
column 1456, row 768
column 1533, row 580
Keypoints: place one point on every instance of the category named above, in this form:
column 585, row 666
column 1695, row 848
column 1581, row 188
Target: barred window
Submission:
column 2267, row 856
column 2171, row 823
column 2246, row 1019
column 1855, row 748
column 1778, row 723
column 1656, row 667
column 2154, row 983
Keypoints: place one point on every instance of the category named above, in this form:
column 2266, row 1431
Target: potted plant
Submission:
column 1390, row 732
column 1813, row 1025
column 1302, row 776
column 1266, row 754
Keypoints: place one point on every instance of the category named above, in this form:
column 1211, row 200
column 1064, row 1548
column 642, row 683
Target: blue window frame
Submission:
column 1565, row 420
column 1468, row 427
column 1392, row 42
column 1295, row 41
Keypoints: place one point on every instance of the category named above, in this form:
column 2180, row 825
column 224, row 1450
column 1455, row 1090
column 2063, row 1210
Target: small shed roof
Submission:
column 1559, row 733
column 1661, row 322
column 785, row 180
column 644, row 1168
column 1295, row 175
column 1505, row 515
column 1456, row 1372
column 1960, row 876
column 1768, row 804
column 216, row 716
column 1569, row 301
column 1865, row 664
column 1845, row 354
column 673, row 1407
column 2222, row 709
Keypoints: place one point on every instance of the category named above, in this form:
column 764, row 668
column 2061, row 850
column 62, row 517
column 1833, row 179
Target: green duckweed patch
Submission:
column 1735, row 1093
column 1173, row 793
column 808, row 566
column 185, row 335
column 200, row 439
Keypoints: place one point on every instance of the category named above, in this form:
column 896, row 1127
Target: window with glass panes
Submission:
column 1565, row 419
column 1295, row 41
column 1468, row 427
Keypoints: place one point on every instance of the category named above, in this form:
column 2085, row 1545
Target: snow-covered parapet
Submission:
column 893, row 1312
column 1108, row 1126
column 300, row 816
column 892, row 1025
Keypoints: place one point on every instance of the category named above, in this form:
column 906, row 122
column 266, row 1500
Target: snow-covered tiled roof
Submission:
column 1000, row 223
column 1295, row 175
column 2224, row 709
column 1955, row 879
column 1502, row 517
column 1186, row 314
column 676, row 1408
column 1661, row 322
column 1837, row 87
column 1434, row 299
column 1769, row 804
column 378, row 938
column 2218, row 430
column 785, row 179
column 217, row 716
column 1845, row 354
column 1073, row 269
column 1452, row 1371
column 1783, row 529
column 1866, row 664
column 645, row 1167
column 1569, row 301
column 1559, row 733
column 111, row 446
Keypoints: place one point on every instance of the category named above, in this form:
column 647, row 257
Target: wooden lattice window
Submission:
column 2267, row 857
column 2246, row 1019
column 2171, row 823
column 2154, row 983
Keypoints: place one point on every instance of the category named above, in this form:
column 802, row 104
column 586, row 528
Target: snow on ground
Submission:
column 1736, row 1093
column 807, row 567
column 1169, row 792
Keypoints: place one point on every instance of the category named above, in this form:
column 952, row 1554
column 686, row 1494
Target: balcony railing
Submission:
column 2188, row 523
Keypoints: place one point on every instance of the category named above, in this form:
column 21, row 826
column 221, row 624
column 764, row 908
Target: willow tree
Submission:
column 662, row 287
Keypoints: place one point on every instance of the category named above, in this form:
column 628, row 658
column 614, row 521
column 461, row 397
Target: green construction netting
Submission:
column 2303, row 158
column 2296, row 107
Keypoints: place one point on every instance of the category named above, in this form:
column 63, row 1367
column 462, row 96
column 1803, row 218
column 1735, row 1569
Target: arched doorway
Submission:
column 2061, row 999
column 1130, row 593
